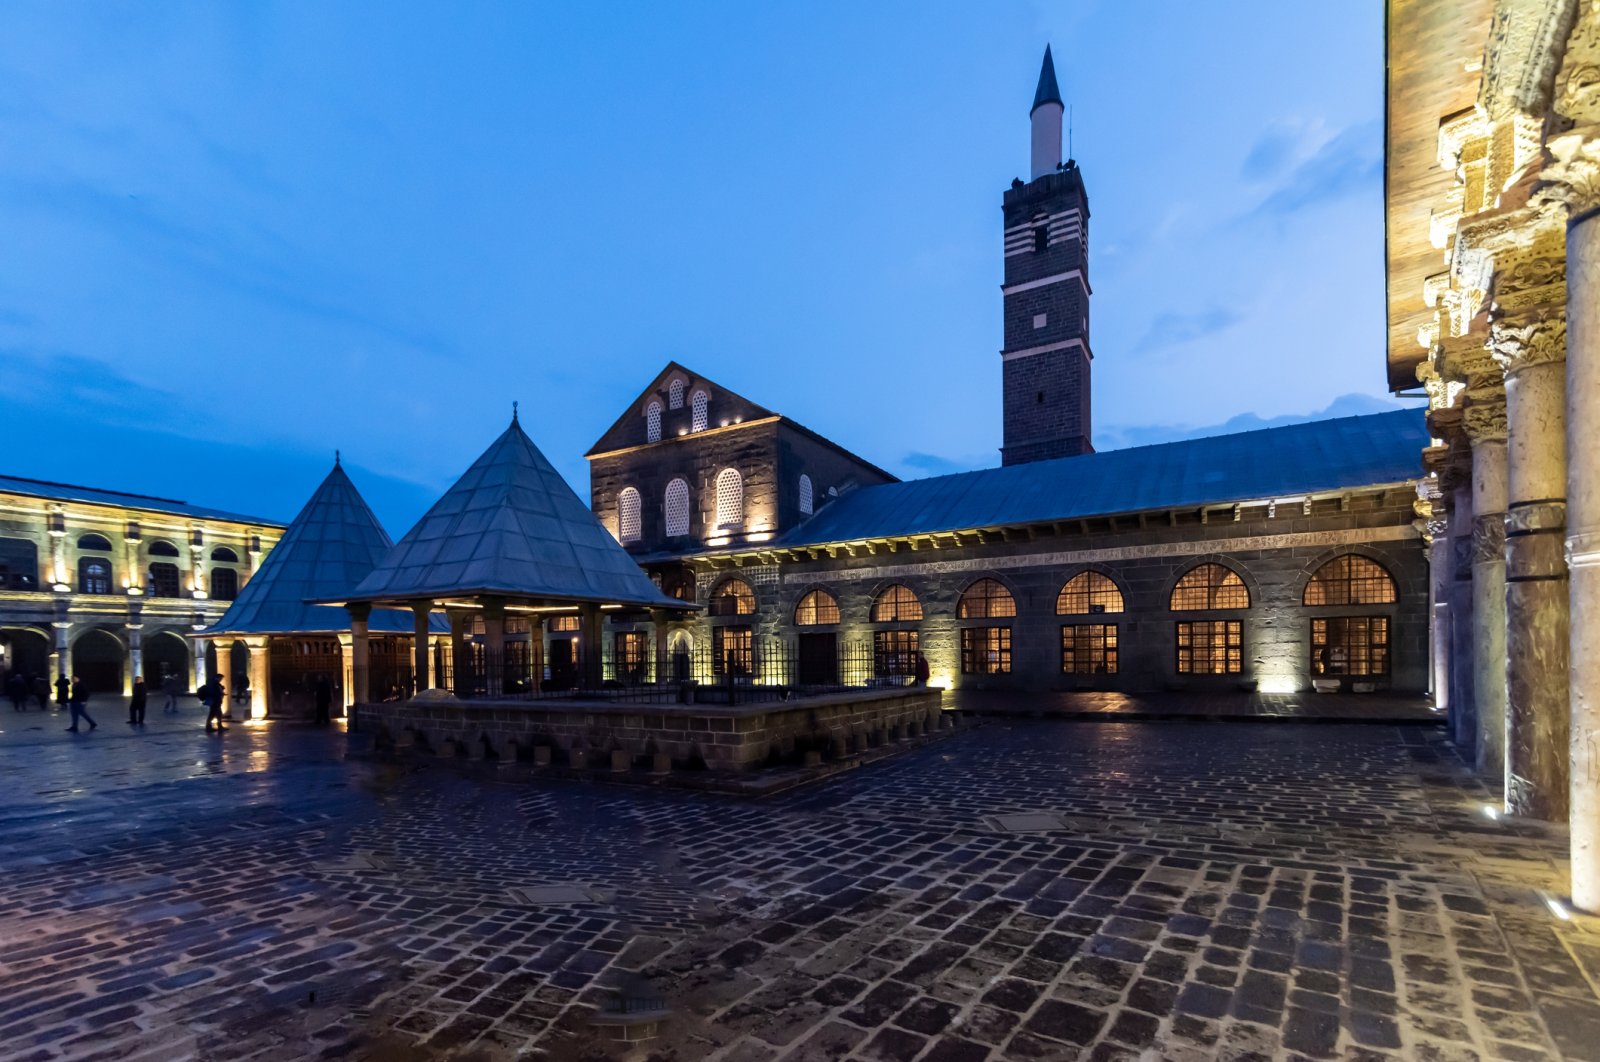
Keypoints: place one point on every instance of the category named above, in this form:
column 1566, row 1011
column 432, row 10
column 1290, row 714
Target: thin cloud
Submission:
column 1349, row 162
column 1174, row 329
column 1122, row 436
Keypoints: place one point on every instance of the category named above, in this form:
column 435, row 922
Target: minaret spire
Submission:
column 1046, row 119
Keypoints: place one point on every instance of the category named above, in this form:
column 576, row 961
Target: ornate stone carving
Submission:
column 1485, row 422
column 1520, row 342
column 1527, row 39
column 1577, row 96
column 1573, row 179
column 1488, row 538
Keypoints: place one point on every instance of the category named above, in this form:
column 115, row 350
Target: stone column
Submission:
column 1485, row 424
column 59, row 657
column 260, row 675
column 360, row 660
column 1440, row 581
column 135, row 655
column 659, row 618
column 590, row 645
column 197, row 656
column 536, row 649
column 1532, row 350
column 460, row 655
column 494, row 644
column 1463, row 714
column 421, row 611
column 131, row 538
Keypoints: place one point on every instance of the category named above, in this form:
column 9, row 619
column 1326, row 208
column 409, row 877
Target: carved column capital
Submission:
column 1572, row 180
column 1485, row 421
column 1523, row 340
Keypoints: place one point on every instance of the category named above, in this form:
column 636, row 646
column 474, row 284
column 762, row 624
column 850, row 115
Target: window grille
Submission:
column 986, row 599
column 163, row 580
column 92, row 541
column 1089, row 649
column 1211, row 648
column 817, row 608
column 628, row 515
column 807, row 502
column 733, row 598
column 1350, row 580
column 986, row 650
column 94, row 576
column 677, row 508
column 730, row 500
column 896, row 604
column 1210, row 586
column 630, row 656
column 894, row 653
column 652, row 422
column 1352, row 645
column 732, row 651
column 700, row 411
column 675, row 395
column 1089, row 592
column 224, row 584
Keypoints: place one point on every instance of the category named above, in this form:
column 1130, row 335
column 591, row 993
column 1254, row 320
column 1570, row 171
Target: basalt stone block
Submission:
column 621, row 761
column 542, row 755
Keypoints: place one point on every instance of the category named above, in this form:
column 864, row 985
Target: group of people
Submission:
column 73, row 694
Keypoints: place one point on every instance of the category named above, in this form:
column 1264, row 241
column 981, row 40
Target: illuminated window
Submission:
column 675, row 394
column 1088, row 592
column 1211, row 648
column 732, row 598
column 630, row 656
column 163, row 548
column 163, row 580
column 986, row 599
column 986, row 650
column 223, row 553
column 732, row 651
column 628, row 514
column 94, row 576
column 1351, row 645
column 699, row 411
column 99, row 542
column 730, row 500
column 896, row 604
column 1089, row 649
column 677, row 508
column 224, row 584
column 816, row 608
column 560, row 624
column 807, row 502
column 894, row 653
column 1210, row 586
column 652, row 422
column 1350, row 580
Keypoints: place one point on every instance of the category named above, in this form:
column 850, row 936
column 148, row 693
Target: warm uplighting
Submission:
column 1279, row 684
column 1490, row 811
column 1557, row 908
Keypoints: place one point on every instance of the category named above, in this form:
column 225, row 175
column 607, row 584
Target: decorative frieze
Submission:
column 1522, row 341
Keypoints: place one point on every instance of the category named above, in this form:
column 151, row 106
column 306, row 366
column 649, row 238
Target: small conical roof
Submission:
column 331, row 546
column 511, row 527
column 1048, row 91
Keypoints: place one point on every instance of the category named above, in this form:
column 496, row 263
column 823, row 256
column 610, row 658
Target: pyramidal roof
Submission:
column 331, row 546
column 511, row 527
column 1048, row 91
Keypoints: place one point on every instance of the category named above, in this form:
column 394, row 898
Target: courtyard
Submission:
column 1029, row 889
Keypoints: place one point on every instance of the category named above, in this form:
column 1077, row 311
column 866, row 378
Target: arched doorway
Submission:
column 680, row 643
column 97, row 659
column 26, row 652
column 165, row 654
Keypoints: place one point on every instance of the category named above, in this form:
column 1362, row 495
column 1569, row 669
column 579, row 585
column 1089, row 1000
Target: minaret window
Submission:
column 677, row 508
column 730, row 499
column 700, row 413
column 1041, row 239
column 652, row 422
column 628, row 509
column 675, row 395
column 807, row 503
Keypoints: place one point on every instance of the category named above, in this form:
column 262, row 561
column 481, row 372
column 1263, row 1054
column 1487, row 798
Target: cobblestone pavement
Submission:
column 1026, row 890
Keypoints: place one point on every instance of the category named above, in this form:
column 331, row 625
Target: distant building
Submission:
column 108, row 585
column 1277, row 558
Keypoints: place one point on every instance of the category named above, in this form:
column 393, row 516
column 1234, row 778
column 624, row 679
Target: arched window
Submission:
column 730, row 499
column 986, row 599
column 700, row 411
column 19, row 564
column 98, row 542
column 675, row 395
column 896, row 604
column 652, row 422
column 1088, row 592
column 807, row 501
column 162, row 548
column 628, row 515
column 163, row 579
column 224, row 584
column 1208, row 586
column 816, row 609
column 677, row 508
column 732, row 598
column 224, row 554
column 1350, row 580
column 94, row 576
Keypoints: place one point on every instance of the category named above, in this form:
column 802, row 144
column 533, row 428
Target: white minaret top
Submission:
column 1046, row 118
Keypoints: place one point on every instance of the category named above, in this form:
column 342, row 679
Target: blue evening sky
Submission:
column 237, row 236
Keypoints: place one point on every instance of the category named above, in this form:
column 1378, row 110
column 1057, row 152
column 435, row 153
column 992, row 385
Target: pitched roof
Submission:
column 1325, row 455
column 67, row 492
column 628, row 429
column 331, row 546
column 1048, row 91
column 511, row 527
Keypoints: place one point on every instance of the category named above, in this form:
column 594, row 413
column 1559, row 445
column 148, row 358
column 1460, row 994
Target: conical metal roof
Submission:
column 331, row 546
column 1048, row 91
column 511, row 527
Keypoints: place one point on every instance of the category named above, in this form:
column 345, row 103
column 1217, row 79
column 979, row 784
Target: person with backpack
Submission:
column 212, row 696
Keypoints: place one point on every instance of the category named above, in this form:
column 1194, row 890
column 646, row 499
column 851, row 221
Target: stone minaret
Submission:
column 1046, row 354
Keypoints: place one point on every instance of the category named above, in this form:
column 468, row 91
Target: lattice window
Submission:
column 628, row 519
column 652, row 422
column 817, row 608
column 1088, row 592
column 1210, row 586
column 896, row 604
column 565, row 623
column 629, row 656
column 986, row 650
column 1350, row 580
column 732, row 651
column 163, row 580
column 1351, row 645
column 94, row 576
column 1211, row 648
column 224, row 584
column 1089, row 649
column 699, row 413
column 730, row 500
column 807, row 502
column 733, row 597
column 894, row 653
column 675, row 395
column 677, row 504
column 986, row 599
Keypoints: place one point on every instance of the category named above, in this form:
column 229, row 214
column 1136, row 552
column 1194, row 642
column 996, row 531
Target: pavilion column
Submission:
column 494, row 644
column 422, row 612
column 360, row 658
column 536, row 649
column 1532, row 350
column 659, row 618
column 1485, row 423
column 460, row 635
column 260, row 675
column 1463, row 715
column 590, row 646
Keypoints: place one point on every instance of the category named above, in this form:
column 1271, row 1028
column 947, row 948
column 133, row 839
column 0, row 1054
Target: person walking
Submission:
column 41, row 692
column 78, row 701
column 922, row 670
column 324, row 700
column 212, row 694
column 17, row 690
column 63, row 691
column 169, row 686
column 136, row 703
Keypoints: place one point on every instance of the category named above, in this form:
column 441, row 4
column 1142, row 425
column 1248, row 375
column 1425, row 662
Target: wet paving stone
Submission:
column 1182, row 891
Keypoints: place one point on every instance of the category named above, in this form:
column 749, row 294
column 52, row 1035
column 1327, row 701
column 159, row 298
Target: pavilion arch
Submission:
column 1399, row 579
column 731, row 597
column 896, row 603
column 817, row 607
column 1090, row 592
column 986, row 597
column 98, row 655
column 1211, row 584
